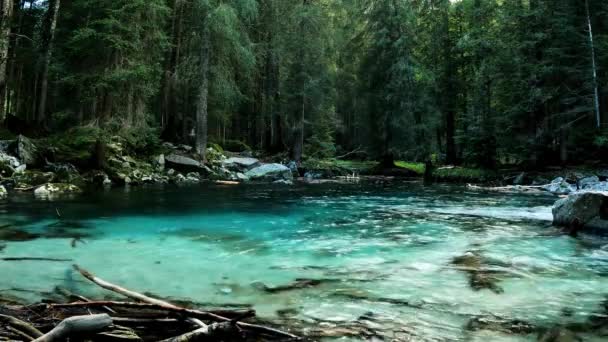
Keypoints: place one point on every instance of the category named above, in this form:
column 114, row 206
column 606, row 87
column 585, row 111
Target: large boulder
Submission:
column 240, row 164
column 25, row 149
column 270, row 172
column 587, row 210
column 559, row 186
column 183, row 164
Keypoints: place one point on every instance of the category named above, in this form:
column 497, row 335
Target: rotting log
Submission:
column 77, row 325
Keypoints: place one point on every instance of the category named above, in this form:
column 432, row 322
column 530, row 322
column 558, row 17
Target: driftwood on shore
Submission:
column 145, row 319
column 508, row 188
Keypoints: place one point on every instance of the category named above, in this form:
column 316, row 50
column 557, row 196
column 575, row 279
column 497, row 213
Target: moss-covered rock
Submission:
column 26, row 150
column 51, row 189
column 33, row 178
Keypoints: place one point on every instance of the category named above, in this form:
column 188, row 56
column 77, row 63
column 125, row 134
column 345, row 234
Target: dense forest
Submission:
column 476, row 82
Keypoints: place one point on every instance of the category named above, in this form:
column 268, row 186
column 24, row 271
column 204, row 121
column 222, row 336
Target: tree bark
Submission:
column 448, row 79
column 48, row 35
column 596, row 96
column 6, row 14
column 203, row 94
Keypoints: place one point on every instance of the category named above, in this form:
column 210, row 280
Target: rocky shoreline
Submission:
column 26, row 167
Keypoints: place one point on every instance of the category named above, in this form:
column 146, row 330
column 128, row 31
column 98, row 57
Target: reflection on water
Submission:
column 436, row 263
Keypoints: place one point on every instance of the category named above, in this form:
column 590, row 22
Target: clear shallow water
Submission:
column 381, row 252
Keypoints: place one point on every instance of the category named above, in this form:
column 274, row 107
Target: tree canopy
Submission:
column 479, row 82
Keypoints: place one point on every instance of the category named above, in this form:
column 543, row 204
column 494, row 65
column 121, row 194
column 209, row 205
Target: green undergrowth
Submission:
column 413, row 166
column 464, row 174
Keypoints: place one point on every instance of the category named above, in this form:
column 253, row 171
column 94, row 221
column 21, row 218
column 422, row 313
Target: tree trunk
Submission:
column 203, row 94
column 298, row 144
column 170, row 76
column 48, row 34
column 6, row 13
column 596, row 96
column 449, row 96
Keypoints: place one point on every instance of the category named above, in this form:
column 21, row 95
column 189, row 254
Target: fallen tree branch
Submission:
column 214, row 330
column 20, row 333
column 168, row 306
column 20, row 325
column 506, row 188
column 121, row 290
column 349, row 153
column 76, row 325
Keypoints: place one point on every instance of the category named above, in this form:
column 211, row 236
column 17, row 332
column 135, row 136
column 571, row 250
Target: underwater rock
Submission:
column 50, row 189
column 11, row 233
column 300, row 283
column 479, row 277
column 270, row 172
column 588, row 211
column 240, row 164
column 558, row 334
column 499, row 324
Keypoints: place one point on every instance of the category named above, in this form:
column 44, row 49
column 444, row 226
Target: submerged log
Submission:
column 206, row 315
column 34, row 259
column 300, row 283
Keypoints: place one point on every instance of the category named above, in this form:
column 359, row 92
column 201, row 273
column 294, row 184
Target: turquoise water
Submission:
column 383, row 255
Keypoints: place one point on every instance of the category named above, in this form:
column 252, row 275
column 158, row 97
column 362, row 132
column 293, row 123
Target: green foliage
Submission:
column 143, row 141
column 462, row 174
column 75, row 146
column 473, row 82
column 234, row 146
